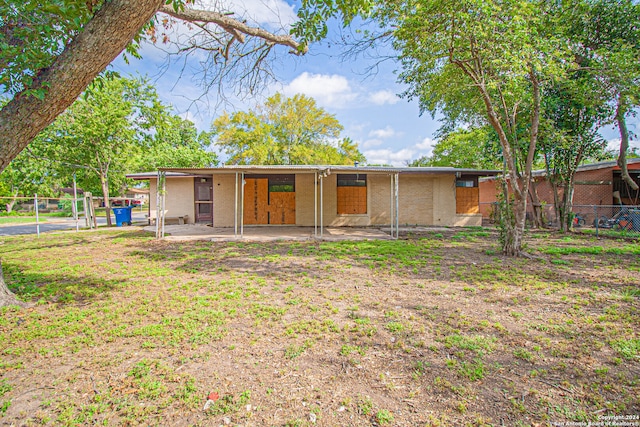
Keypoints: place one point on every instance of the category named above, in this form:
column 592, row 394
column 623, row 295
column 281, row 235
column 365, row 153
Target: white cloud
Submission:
column 371, row 143
column 427, row 144
column 387, row 156
column 385, row 133
column 400, row 157
column 614, row 144
column 383, row 97
column 329, row 91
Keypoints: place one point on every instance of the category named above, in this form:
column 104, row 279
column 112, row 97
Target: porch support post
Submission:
column 315, row 204
column 164, row 200
column 397, row 204
column 235, row 210
column 160, row 204
column 242, row 207
column 321, row 204
column 391, row 188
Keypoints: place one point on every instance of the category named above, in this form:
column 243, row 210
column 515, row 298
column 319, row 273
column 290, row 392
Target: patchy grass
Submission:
column 126, row 330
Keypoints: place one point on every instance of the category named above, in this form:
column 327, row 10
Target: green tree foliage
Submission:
column 475, row 148
column 569, row 137
column 478, row 62
column 176, row 143
column 284, row 131
column 32, row 34
column 119, row 126
column 27, row 175
column 605, row 38
column 484, row 60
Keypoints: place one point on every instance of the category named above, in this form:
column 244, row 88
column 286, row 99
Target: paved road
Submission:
column 58, row 224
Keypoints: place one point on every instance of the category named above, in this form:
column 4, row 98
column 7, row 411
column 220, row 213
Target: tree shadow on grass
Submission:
column 61, row 288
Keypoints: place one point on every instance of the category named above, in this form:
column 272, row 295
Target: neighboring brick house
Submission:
column 325, row 195
column 595, row 184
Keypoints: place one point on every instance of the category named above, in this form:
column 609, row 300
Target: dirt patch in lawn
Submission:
column 434, row 329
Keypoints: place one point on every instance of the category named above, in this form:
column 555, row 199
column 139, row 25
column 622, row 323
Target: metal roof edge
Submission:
column 320, row 168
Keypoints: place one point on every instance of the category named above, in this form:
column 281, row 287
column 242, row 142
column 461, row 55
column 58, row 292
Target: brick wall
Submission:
column 592, row 187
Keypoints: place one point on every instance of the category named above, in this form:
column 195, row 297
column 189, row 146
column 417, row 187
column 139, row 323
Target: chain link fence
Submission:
column 42, row 212
column 618, row 220
column 612, row 220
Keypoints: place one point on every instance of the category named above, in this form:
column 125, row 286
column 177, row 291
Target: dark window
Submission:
column 352, row 180
column 280, row 183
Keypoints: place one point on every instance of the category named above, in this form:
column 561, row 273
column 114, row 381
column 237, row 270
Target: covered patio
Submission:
column 187, row 232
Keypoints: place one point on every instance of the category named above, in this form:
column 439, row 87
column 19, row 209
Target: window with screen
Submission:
column 352, row 194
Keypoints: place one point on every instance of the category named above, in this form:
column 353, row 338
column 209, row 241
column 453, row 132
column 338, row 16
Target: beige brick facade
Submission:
column 424, row 199
column 179, row 201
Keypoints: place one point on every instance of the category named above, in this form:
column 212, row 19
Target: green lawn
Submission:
column 27, row 219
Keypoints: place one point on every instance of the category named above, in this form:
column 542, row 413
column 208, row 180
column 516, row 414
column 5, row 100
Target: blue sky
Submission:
column 388, row 130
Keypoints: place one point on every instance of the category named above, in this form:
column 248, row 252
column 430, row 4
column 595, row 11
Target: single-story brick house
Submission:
column 359, row 196
column 598, row 184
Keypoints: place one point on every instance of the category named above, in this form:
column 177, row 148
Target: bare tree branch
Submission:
column 234, row 27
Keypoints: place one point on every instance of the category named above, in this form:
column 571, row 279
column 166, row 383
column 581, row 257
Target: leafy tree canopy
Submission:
column 117, row 126
column 475, row 148
column 284, row 131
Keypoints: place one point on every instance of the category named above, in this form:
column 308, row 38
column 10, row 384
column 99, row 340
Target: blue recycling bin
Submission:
column 123, row 215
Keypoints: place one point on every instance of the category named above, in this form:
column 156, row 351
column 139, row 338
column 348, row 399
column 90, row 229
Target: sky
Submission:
column 388, row 130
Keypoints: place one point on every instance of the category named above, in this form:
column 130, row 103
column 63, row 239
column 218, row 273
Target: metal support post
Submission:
column 242, row 207
column 35, row 203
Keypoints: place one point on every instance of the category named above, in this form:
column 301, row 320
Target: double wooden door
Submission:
column 262, row 206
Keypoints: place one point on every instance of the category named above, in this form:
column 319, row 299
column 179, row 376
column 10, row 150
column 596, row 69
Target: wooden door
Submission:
column 256, row 201
column 467, row 200
column 282, row 208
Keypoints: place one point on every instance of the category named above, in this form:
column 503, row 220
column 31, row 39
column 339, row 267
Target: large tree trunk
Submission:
column 6, row 296
column 538, row 221
column 103, row 38
column 105, row 194
column 520, row 216
column 518, row 184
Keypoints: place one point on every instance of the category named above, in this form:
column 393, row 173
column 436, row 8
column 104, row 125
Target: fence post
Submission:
column 74, row 206
column 35, row 203
column 596, row 220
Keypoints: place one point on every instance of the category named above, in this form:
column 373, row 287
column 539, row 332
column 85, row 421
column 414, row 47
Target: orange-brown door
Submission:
column 282, row 208
column 256, row 201
column 467, row 200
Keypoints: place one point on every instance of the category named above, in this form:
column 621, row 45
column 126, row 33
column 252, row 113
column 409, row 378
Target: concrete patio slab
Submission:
column 267, row 233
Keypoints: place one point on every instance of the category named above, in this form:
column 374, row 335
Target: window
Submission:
column 282, row 184
column 352, row 194
column 465, row 183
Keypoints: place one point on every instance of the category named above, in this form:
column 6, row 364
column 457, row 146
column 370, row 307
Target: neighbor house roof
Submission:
column 632, row 164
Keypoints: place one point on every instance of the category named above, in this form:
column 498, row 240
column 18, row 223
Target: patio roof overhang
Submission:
column 320, row 172
column 280, row 169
